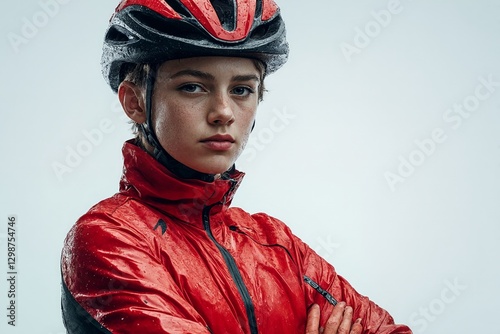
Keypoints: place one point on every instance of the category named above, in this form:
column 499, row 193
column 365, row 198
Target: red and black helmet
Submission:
column 153, row 31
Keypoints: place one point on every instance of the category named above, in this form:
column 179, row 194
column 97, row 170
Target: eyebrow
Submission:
column 208, row 76
column 193, row 73
column 246, row 78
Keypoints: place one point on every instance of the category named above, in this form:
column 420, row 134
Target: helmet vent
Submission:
column 165, row 26
column 226, row 11
column 258, row 9
column 118, row 35
column 178, row 7
column 264, row 30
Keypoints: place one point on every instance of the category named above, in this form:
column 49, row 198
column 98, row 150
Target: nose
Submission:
column 221, row 112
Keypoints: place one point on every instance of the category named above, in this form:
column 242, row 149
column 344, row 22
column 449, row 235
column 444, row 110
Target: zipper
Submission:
column 234, row 271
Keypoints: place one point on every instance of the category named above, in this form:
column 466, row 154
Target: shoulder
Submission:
column 118, row 221
column 114, row 236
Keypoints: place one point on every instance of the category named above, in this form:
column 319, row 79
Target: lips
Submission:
column 219, row 138
column 219, row 142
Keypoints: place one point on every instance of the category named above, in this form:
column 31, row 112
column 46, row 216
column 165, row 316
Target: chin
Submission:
column 213, row 168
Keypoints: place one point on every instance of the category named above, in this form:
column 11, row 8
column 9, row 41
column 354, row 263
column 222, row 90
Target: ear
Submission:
column 132, row 100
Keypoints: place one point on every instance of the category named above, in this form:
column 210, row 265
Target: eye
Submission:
column 242, row 91
column 191, row 88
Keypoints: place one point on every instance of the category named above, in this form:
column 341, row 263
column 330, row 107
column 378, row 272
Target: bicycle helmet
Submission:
column 154, row 31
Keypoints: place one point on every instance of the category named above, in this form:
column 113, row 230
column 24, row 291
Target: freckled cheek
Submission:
column 248, row 118
column 168, row 127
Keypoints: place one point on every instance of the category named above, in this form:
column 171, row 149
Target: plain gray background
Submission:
column 369, row 84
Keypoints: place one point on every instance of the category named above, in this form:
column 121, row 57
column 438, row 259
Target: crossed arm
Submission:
column 166, row 310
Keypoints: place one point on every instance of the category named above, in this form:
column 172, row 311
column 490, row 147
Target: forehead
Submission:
column 216, row 66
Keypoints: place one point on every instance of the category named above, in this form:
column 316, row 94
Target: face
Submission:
column 204, row 109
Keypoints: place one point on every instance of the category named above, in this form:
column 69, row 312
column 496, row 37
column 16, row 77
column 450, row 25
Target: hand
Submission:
column 340, row 321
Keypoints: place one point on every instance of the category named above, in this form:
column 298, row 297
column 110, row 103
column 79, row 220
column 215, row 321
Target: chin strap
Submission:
column 147, row 127
column 159, row 153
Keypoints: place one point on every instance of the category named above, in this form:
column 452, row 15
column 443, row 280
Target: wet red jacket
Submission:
column 167, row 255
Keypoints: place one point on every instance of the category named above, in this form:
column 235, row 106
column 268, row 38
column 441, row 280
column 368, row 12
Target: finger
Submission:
column 333, row 323
column 345, row 325
column 312, row 326
column 357, row 328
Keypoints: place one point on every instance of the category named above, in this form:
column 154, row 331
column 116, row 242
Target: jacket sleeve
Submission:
column 375, row 320
column 113, row 281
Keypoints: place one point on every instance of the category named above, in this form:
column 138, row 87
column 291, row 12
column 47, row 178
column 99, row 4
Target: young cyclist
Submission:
column 167, row 253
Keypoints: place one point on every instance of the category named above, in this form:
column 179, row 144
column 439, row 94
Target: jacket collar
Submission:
column 148, row 180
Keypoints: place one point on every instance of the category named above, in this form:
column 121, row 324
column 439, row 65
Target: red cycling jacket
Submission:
column 168, row 255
